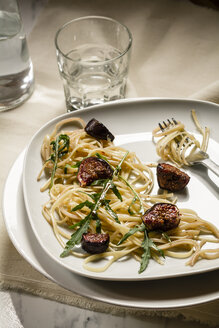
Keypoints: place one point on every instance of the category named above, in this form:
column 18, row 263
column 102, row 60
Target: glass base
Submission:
column 17, row 102
column 15, row 89
column 73, row 104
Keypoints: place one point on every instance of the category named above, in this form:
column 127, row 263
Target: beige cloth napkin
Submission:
column 175, row 54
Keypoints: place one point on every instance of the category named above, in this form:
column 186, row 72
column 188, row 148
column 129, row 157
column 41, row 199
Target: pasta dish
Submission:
column 96, row 189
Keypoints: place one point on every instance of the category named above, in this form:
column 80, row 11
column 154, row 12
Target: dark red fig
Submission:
column 95, row 243
column 171, row 178
column 161, row 217
column 93, row 168
column 98, row 130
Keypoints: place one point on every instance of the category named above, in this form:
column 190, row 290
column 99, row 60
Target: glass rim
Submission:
column 94, row 17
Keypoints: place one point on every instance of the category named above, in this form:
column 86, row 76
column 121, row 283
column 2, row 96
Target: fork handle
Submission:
column 211, row 165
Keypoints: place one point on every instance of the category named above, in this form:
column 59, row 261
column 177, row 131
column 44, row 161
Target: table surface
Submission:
column 24, row 310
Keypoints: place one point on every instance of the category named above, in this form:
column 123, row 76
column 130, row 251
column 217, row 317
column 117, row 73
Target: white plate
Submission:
column 131, row 122
column 159, row 294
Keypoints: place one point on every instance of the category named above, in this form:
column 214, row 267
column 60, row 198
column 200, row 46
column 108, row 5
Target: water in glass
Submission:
column 93, row 74
column 16, row 72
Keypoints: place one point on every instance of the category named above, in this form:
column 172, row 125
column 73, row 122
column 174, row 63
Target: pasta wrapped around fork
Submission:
column 177, row 145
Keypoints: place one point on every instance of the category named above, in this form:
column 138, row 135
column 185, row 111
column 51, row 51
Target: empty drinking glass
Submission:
column 93, row 55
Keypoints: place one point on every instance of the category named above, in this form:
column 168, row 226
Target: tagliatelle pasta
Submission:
column 127, row 198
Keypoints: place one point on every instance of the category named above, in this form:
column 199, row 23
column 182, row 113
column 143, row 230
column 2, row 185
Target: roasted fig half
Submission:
column 161, row 217
column 171, row 178
column 98, row 130
column 93, row 168
column 95, row 243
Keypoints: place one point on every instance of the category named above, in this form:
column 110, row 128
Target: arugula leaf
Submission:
column 132, row 203
column 105, row 159
column 76, row 165
column 100, row 182
column 104, row 182
column 119, row 166
column 131, row 232
column 60, row 147
column 101, row 157
column 147, row 245
column 136, row 197
column 106, row 202
column 115, row 190
column 95, row 196
column 98, row 223
column 165, row 236
column 146, row 254
column 81, row 205
column 154, row 247
column 76, row 237
column 78, row 224
column 66, row 168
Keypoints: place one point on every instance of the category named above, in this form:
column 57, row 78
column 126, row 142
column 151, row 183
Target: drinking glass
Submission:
column 93, row 56
column 16, row 72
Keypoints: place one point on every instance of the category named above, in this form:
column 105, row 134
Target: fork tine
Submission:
column 168, row 123
column 160, row 126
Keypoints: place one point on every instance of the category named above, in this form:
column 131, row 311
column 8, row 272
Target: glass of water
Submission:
column 16, row 72
column 93, row 55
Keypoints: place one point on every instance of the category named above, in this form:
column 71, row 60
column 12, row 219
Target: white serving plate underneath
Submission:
column 158, row 294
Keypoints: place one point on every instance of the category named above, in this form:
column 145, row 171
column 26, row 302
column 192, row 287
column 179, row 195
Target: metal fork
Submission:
column 199, row 157
column 167, row 124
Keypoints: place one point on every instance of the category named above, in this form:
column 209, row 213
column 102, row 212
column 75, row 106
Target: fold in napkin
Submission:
column 175, row 54
column 209, row 93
